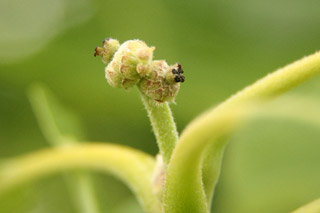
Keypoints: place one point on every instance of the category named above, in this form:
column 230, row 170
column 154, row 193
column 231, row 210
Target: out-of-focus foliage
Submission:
column 28, row 26
column 270, row 166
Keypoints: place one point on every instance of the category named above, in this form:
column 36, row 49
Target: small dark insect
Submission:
column 174, row 71
column 177, row 79
column 178, row 74
column 180, row 68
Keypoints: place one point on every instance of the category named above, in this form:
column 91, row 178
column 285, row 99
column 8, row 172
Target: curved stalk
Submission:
column 133, row 167
column 184, row 187
column 278, row 82
column 79, row 182
column 211, row 166
column 163, row 126
column 268, row 87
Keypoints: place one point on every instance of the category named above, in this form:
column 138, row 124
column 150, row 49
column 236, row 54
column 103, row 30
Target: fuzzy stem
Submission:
column 184, row 187
column 133, row 167
column 278, row 82
column 184, row 190
column 211, row 166
column 163, row 126
column 268, row 87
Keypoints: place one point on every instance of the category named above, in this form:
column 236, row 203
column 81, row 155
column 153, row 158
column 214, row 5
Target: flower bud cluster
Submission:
column 131, row 64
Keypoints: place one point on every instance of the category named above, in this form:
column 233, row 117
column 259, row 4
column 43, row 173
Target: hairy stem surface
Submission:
column 184, row 187
column 270, row 86
column 163, row 126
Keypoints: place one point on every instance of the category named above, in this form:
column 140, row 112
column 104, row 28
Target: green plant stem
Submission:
column 133, row 167
column 211, row 166
column 312, row 207
column 226, row 121
column 278, row 82
column 184, row 187
column 277, row 109
column 81, row 186
column 270, row 86
column 82, row 190
column 163, row 126
column 47, row 123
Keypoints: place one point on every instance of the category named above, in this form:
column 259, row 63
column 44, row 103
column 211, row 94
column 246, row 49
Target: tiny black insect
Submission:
column 177, row 79
column 180, row 68
column 174, row 71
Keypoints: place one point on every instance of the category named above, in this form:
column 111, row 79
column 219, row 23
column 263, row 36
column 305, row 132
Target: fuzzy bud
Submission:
column 161, row 84
column 106, row 52
column 131, row 64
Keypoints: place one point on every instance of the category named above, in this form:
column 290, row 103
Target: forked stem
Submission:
column 269, row 87
column 184, row 187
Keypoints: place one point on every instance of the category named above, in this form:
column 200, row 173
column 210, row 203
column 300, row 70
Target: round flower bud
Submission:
column 106, row 52
column 160, row 84
column 130, row 63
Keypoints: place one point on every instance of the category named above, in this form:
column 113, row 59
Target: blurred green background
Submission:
column 271, row 165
